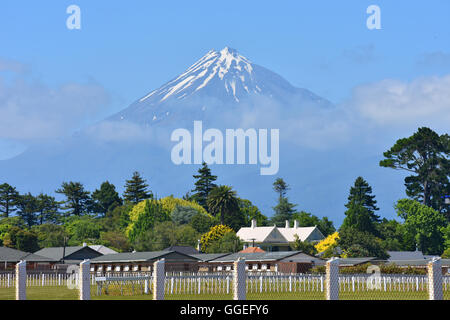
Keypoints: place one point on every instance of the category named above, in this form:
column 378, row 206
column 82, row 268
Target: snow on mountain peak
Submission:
column 226, row 65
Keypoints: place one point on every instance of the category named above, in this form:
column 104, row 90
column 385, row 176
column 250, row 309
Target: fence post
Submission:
column 435, row 291
column 21, row 280
column 84, row 280
column 239, row 280
column 332, row 279
column 158, row 279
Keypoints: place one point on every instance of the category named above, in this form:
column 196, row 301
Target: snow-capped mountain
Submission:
column 219, row 79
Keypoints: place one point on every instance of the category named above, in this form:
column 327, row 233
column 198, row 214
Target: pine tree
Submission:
column 78, row 201
column 136, row 189
column 203, row 185
column 8, row 199
column 284, row 210
column 47, row 208
column 361, row 208
column 27, row 209
column 106, row 198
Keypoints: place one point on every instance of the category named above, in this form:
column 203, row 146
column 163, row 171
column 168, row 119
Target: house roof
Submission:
column 206, row 257
column 56, row 253
column 256, row 256
column 142, row 257
column 13, row 255
column 302, row 232
column 405, row 255
column 349, row 262
column 102, row 249
column 182, row 249
column 252, row 249
column 261, row 234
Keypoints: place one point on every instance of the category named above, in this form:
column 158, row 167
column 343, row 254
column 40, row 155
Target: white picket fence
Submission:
column 7, row 280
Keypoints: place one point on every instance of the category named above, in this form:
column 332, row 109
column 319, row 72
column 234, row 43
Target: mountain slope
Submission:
column 220, row 79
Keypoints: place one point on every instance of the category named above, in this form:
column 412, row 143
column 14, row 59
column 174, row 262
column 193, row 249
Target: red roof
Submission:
column 251, row 250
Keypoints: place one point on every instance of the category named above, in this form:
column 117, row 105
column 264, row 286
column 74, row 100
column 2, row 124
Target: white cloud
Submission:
column 423, row 101
column 33, row 111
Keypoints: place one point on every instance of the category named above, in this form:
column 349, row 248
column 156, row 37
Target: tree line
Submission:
column 139, row 220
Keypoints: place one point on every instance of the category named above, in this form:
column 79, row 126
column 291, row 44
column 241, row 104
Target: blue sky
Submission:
column 126, row 49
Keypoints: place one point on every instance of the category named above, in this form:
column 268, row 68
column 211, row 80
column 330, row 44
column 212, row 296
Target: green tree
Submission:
column 27, row 241
column 106, row 198
column 8, row 199
column 183, row 214
column 153, row 213
column 356, row 242
column 27, row 209
column 47, row 209
column 423, row 223
column 78, row 200
column 303, row 246
column 49, row 235
column 136, row 189
column 223, row 202
column 203, row 185
column 202, row 223
column 115, row 240
column 229, row 243
column 426, row 156
column 361, row 208
column 250, row 212
column 284, row 210
column 83, row 229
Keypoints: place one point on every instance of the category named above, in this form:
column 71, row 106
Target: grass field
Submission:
column 63, row 293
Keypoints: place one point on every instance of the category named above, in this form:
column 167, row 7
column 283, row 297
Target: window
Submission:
column 136, row 268
column 117, row 268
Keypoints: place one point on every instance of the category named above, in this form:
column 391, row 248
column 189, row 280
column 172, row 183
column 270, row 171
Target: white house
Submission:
column 275, row 238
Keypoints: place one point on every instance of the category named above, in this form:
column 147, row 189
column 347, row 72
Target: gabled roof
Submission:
column 56, row 253
column 303, row 233
column 405, row 255
column 182, row 249
column 102, row 249
column 13, row 255
column 261, row 234
column 130, row 257
column 205, row 257
column 257, row 256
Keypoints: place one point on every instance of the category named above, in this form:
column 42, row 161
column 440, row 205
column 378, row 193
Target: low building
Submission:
column 66, row 256
column 102, row 249
column 283, row 261
column 143, row 262
column 273, row 239
column 183, row 249
column 10, row 257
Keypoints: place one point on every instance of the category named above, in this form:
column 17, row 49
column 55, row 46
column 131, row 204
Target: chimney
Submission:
column 253, row 223
column 295, row 224
column 84, row 244
column 287, row 224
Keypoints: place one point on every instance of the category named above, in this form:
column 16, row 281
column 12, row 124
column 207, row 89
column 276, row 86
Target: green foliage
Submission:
column 202, row 223
column 26, row 241
column 228, row 243
column 446, row 254
column 203, row 185
column 166, row 234
column 136, row 189
column 356, row 243
column 423, row 223
column 284, row 210
column 47, row 209
column 223, row 202
column 82, row 229
column 78, row 200
column 303, row 246
column 143, row 221
column 426, row 155
column 27, row 209
column 8, row 199
column 115, row 240
column 106, row 198
column 250, row 212
column 384, row 269
column 213, row 235
column 183, row 214
column 49, row 235
column 361, row 208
